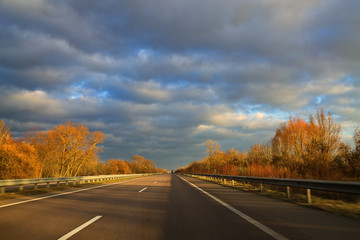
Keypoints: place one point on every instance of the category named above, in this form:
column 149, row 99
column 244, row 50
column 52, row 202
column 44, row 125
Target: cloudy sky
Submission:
column 161, row 77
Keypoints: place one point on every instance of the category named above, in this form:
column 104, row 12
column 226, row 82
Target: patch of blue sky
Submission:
column 146, row 52
column 175, row 82
column 325, row 32
column 77, row 90
column 103, row 94
column 269, row 112
column 319, row 99
column 83, row 89
column 350, row 80
column 120, row 94
column 217, row 77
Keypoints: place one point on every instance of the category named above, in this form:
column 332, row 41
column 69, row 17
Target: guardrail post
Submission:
column 47, row 185
column 224, row 181
column 261, row 187
column 21, row 187
column 67, row 183
column 35, row 186
column 308, row 196
column 233, row 182
column 2, row 189
column 287, row 191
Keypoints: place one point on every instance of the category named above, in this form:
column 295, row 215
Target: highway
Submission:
column 167, row 206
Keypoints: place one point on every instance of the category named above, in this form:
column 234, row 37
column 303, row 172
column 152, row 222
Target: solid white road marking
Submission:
column 78, row 229
column 60, row 194
column 241, row 214
column 143, row 189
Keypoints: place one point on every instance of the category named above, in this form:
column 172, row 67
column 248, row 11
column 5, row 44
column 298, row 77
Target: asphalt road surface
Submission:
column 167, row 206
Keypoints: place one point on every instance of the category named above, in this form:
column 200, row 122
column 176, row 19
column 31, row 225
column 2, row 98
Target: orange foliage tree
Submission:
column 298, row 149
column 142, row 165
column 114, row 166
column 289, row 143
column 139, row 164
column 17, row 159
column 66, row 149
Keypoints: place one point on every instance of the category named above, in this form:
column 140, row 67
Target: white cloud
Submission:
column 259, row 115
column 228, row 119
column 151, row 90
column 213, row 132
column 31, row 102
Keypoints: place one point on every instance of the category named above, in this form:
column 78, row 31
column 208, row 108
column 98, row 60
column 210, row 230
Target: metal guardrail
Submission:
column 323, row 185
column 66, row 180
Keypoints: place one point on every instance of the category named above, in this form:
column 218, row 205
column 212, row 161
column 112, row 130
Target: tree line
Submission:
column 299, row 149
column 67, row 150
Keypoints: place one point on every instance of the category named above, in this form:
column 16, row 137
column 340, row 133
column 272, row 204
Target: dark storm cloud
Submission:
column 161, row 77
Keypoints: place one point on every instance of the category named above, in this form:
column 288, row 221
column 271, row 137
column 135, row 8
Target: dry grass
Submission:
column 348, row 206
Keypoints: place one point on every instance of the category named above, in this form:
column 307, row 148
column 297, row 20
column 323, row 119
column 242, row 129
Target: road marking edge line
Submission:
column 79, row 228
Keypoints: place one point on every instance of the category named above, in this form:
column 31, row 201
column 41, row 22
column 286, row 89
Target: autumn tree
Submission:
column 114, row 166
column 353, row 158
column 4, row 132
column 67, row 148
column 260, row 154
column 357, row 139
column 92, row 168
column 18, row 159
column 142, row 165
column 309, row 148
column 236, row 158
column 213, row 150
column 323, row 145
column 343, row 160
column 289, row 143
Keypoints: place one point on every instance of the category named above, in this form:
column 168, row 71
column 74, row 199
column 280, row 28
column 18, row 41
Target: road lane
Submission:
column 290, row 220
column 193, row 215
column 54, row 217
column 140, row 215
column 257, row 224
column 167, row 208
